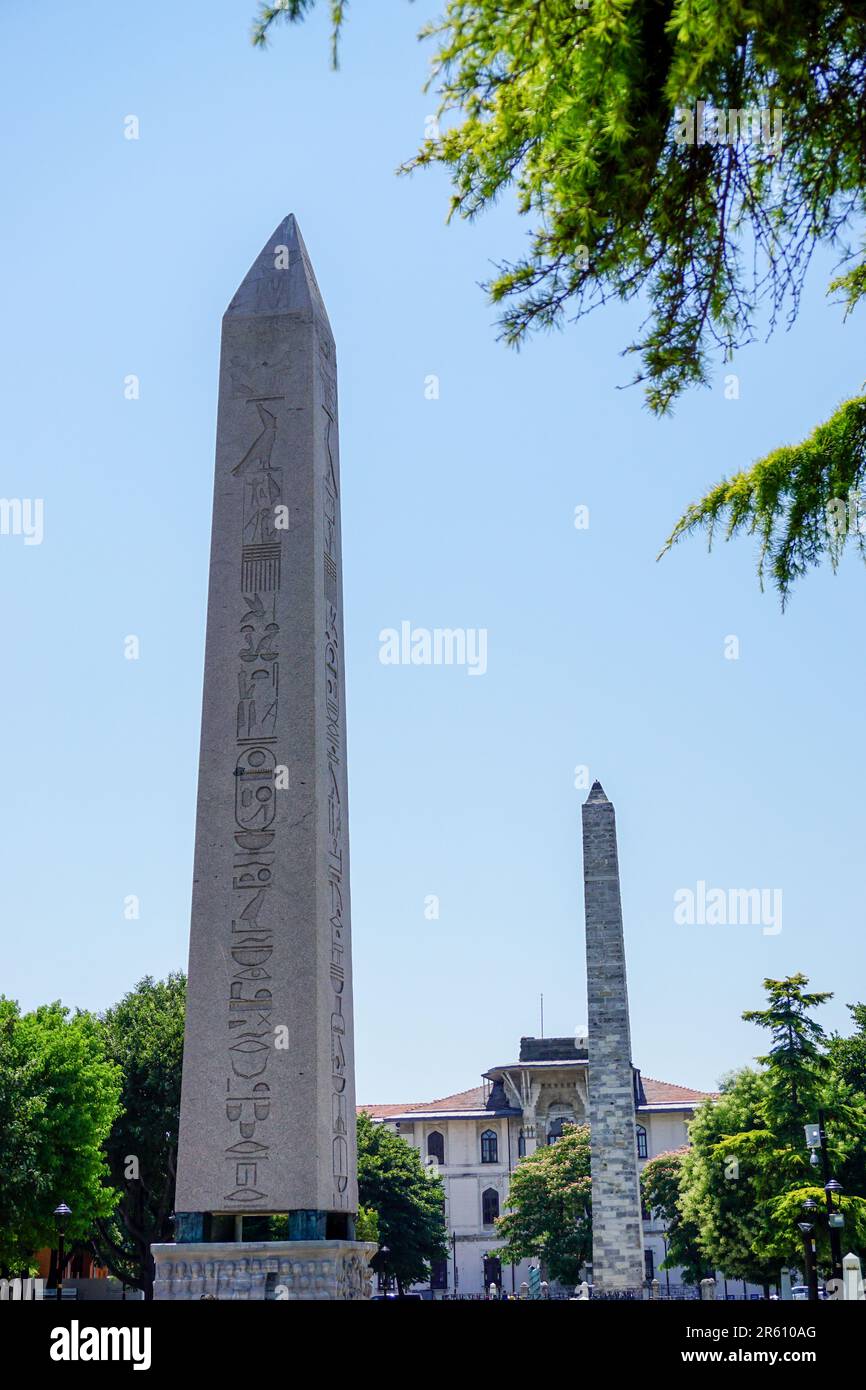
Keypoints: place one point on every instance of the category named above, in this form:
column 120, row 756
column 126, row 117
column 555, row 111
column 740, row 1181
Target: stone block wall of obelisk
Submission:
column 617, row 1232
column 268, row 1105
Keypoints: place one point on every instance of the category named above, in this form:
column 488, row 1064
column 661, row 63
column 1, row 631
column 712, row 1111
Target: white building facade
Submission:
column 477, row 1137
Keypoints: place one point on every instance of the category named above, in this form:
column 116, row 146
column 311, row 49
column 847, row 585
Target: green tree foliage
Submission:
column 661, row 1189
column 722, row 1193
column 796, row 1062
column 747, row 1173
column 846, row 1092
column 144, row 1037
column 579, row 110
column 367, row 1224
column 849, row 1054
column 409, row 1204
column 59, row 1094
column 802, row 501
column 549, row 1214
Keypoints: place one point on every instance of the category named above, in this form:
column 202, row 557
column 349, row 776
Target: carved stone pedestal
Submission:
column 256, row 1271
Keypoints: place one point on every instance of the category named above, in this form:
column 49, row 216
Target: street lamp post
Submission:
column 61, row 1216
column 807, row 1227
column 454, row 1261
column 835, row 1221
column 816, row 1137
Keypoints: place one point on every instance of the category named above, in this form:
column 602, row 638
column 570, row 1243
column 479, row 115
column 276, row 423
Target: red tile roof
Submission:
column 473, row 1099
column 667, row 1093
column 381, row 1112
column 657, row 1093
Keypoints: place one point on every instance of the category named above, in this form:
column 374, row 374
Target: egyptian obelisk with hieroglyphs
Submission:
column 267, row 1123
column 617, row 1228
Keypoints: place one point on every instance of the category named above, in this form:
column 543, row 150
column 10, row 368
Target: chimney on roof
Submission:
column 550, row 1050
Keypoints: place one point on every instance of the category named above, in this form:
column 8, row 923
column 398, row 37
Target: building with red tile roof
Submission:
column 475, row 1138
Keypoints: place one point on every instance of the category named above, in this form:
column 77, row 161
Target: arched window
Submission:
column 436, row 1146
column 489, row 1147
column 489, row 1206
column 558, row 1115
column 641, row 1141
column 521, row 1145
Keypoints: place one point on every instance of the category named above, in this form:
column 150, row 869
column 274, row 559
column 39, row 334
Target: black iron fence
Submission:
column 638, row 1293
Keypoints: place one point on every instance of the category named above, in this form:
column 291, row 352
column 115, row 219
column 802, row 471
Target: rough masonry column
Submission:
column 617, row 1232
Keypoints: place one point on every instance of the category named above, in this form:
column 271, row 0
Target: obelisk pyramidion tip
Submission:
column 597, row 793
column 281, row 279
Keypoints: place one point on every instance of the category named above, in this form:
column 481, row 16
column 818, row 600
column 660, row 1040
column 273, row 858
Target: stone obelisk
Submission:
column 267, row 1125
column 617, row 1231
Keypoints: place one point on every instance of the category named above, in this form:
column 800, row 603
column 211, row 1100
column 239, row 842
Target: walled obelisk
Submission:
column 617, row 1230
column 267, row 1123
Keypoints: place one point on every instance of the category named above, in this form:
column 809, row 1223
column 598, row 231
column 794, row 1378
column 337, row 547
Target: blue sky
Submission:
column 119, row 258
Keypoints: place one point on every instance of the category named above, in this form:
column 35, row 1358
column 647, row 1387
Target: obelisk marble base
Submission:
column 256, row 1271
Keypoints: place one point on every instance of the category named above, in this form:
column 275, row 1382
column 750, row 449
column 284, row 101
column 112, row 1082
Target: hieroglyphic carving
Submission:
column 258, row 381
column 340, row 1118
column 250, row 999
column 248, row 1095
column 336, row 873
column 330, row 511
column 260, row 568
